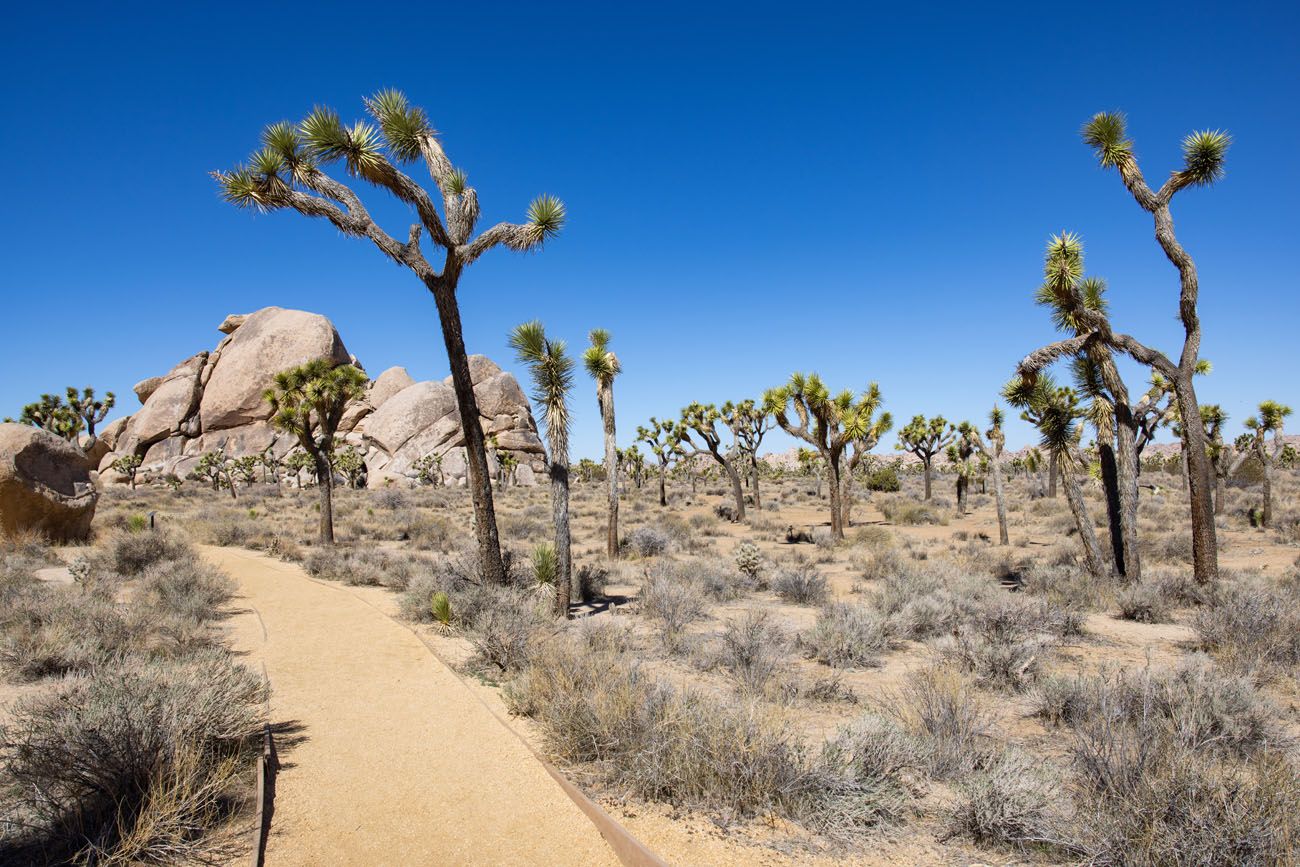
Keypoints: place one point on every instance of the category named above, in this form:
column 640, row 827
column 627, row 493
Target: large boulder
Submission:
column 168, row 406
column 389, row 383
column 45, row 485
column 408, row 413
column 268, row 341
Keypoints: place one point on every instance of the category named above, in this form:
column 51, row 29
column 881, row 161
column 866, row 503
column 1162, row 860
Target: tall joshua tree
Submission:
column 603, row 366
column 552, row 372
column 1214, row 418
column 664, row 441
column 828, row 423
column 991, row 446
column 926, row 438
column 751, row 423
column 82, row 412
column 959, row 455
column 1203, row 159
column 308, row 401
column 701, row 420
column 1057, row 414
column 868, row 434
column 286, row 173
column 1268, row 420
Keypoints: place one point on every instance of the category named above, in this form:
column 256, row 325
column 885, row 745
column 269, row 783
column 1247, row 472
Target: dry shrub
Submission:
column 189, row 589
column 502, row 628
column 847, row 636
column 1010, row 802
column 947, row 717
column 53, row 630
column 98, row 762
column 1252, row 626
column 754, row 650
column 672, row 603
column 1143, row 603
column 646, row 542
column 801, row 584
column 129, row 554
column 365, row 566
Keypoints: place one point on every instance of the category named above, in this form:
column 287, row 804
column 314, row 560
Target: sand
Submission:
column 389, row 758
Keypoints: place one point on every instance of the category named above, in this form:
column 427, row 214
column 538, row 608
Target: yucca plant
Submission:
column 665, row 442
column 287, row 173
column 440, row 609
column 925, row 438
column 552, row 374
column 544, row 566
column 603, row 365
column 700, row 421
column 830, row 424
column 752, row 421
column 1204, row 154
column 1268, row 420
column 308, row 401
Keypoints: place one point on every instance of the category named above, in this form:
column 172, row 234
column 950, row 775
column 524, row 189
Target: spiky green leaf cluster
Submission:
column 602, row 364
column 551, row 369
column 1204, row 154
column 404, row 126
column 1106, row 134
column 546, row 215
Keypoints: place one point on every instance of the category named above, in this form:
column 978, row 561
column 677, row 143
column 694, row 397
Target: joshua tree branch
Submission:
column 512, row 235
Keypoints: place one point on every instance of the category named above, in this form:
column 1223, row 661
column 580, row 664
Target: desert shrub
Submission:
column 884, row 479
column 879, row 564
column 1001, row 641
column 390, row 498
column 947, row 717
column 749, row 559
column 725, row 512
column 590, row 583
column 426, row 533
column 87, row 763
column 189, row 589
column 801, row 584
column 129, row 554
column 230, row 531
column 847, row 635
column 1251, row 626
column 753, row 649
column 1007, row 803
column 53, row 630
column 901, row 510
column 646, row 542
column 1144, row 603
column 376, row 567
column 544, row 563
column 502, row 629
column 1065, row 586
column 672, row 603
column 926, row 601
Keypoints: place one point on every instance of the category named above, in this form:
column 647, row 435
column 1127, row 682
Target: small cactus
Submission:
column 748, row 558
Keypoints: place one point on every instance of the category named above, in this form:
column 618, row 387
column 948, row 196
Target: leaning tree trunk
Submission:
column 1074, row 496
column 753, row 471
column 737, row 490
column 606, row 397
column 325, row 481
column 479, row 478
column 995, row 467
column 1205, row 548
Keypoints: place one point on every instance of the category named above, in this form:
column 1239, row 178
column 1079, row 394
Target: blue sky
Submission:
column 752, row 189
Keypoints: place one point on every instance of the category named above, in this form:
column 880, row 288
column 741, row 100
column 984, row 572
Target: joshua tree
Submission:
column 990, row 446
column 925, row 439
column 80, row 413
column 827, row 423
column 308, row 401
column 959, row 455
column 506, row 466
column 664, row 441
column 1203, row 158
column 1057, row 415
column 128, row 465
column 1221, row 460
column 603, row 366
column 701, row 420
column 552, row 372
column 214, row 468
column 634, row 461
column 286, row 173
column 1268, row 420
column 244, row 469
column 750, row 423
column 870, row 434
column 428, row 470
column 351, row 464
column 297, row 461
column 810, row 464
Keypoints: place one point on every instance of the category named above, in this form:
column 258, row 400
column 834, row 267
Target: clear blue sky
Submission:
column 752, row 190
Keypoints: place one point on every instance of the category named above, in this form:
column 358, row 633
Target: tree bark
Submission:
column 479, row 479
column 1052, row 473
column 753, row 470
column 846, row 501
column 1126, row 466
column 833, row 485
column 1200, row 485
column 1091, row 549
column 737, row 491
column 325, row 481
column 663, row 485
column 563, row 543
column 962, row 484
column 1110, row 486
column 995, row 467
column 925, row 460
column 605, row 393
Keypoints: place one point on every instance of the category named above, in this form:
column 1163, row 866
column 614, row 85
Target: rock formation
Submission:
column 45, row 485
column 212, row 401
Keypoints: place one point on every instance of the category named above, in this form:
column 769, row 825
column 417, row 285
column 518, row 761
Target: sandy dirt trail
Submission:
column 398, row 762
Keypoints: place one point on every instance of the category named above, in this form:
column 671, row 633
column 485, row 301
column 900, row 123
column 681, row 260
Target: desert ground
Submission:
column 915, row 694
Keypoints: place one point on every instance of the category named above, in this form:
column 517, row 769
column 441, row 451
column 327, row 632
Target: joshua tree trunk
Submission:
column 605, row 393
column 753, row 473
column 479, row 478
column 1074, row 496
column 1052, row 473
column 1268, row 495
column 325, row 482
column 563, row 547
column 737, row 491
column 833, row 485
column 663, row 485
column 995, row 467
column 1126, row 467
column 846, row 500
column 1200, row 484
column 1110, row 486
column 926, row 464
column 962, row 484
